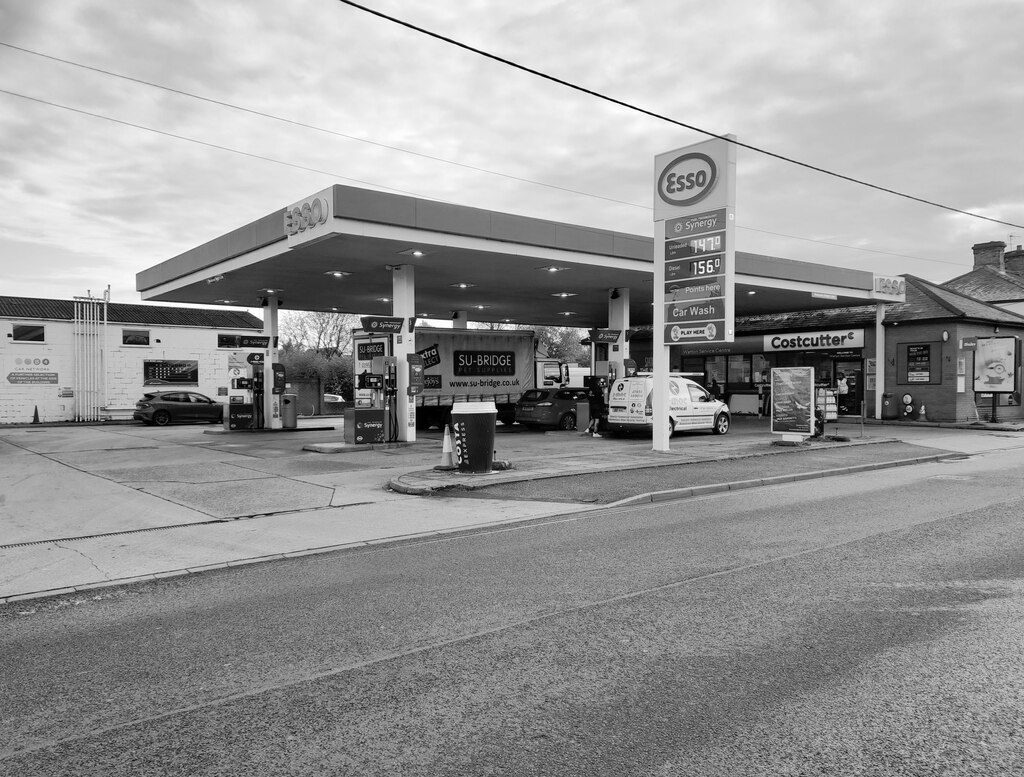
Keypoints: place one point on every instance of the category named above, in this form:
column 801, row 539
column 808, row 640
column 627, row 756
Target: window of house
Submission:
column 29, row 333
column 134, row 337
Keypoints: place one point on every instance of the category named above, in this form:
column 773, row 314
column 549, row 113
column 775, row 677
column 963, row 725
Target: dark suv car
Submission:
column 164, row 407
column 550, row 407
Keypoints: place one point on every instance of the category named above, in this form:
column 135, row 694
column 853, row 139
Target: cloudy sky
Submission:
column 249, row 105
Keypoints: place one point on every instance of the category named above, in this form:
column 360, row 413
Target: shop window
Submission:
column 29, row 333
column 714, row 368
column 134, row 337
column 761, row 368
column 739, row 375
column 690, row 366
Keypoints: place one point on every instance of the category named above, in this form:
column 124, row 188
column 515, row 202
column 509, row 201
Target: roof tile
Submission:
column 121, row 313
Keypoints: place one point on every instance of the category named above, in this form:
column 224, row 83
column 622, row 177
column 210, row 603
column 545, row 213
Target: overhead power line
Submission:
column 320, row 171
column 304, row 125
column 661, row 117
column 204, row 143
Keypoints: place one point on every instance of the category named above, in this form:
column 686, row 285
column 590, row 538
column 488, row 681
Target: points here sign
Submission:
column 695, row 255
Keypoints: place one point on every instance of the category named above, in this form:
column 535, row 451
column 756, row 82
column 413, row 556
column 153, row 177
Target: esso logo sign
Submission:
column 687, row 179
column 893, row 287
column 305, row 216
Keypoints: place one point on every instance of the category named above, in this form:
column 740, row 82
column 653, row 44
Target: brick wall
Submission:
column 952, row 397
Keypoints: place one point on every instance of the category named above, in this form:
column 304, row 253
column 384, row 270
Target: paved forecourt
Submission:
column 91, row 506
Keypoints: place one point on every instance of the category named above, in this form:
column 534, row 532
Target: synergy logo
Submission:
column 688, row 179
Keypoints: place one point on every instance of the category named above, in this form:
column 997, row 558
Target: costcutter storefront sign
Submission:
column 832, row 340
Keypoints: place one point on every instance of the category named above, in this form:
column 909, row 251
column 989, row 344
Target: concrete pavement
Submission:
column 85, row 507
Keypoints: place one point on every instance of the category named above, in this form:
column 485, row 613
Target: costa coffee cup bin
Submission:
column 473, row 435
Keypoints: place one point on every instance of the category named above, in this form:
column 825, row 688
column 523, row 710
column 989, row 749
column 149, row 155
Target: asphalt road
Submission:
column 869, row 624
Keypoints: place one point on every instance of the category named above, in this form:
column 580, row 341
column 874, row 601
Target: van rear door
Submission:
column 627, row 401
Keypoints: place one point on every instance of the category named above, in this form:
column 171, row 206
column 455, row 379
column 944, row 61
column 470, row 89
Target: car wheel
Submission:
column 161, row 418
column 721, row 424
column 671, row 426
column 568, row 421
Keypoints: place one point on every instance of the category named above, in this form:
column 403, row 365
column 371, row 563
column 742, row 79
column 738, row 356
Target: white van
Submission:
column 690, row 406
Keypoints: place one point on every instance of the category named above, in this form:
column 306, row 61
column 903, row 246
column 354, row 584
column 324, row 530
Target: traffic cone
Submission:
column 446, row 450
column 35, row 415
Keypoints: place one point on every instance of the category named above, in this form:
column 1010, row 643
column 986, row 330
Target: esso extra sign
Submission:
column 687, row 179
column 306, row 215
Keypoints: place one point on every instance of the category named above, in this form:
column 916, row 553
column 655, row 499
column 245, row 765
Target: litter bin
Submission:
column 289, row 411
column 473, row 435
column 890, row 410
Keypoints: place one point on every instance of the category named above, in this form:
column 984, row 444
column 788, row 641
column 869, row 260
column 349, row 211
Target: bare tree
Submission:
column 563, row 343
column 328, row 334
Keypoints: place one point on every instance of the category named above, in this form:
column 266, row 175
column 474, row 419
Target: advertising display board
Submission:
column 166, row 372
column 793, row 401
column 996, row 360
column 367, row 347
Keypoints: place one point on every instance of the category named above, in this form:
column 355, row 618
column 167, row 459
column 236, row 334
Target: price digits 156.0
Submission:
column 710, row 266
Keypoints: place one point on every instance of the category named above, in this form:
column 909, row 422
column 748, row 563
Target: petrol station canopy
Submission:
column 337, row 250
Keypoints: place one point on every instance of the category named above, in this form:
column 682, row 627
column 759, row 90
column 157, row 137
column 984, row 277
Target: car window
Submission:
column 199, row 398
column 565, row 394
column 173, row 398
column 697, row 394
column 533, row 395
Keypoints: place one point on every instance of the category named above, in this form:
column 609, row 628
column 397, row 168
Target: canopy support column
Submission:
column 618, row 318
column 271, row 401
column 403, row 305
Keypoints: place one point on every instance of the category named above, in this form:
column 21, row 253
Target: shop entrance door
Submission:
column 850, row 402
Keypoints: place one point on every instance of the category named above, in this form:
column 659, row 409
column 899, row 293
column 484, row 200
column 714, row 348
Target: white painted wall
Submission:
column 20, row 362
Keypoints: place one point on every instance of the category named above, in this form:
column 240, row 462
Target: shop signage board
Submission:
column 381, row 324
column 695, row 257
column 32, row 378
column 822, row 340
column 605, row 335
column 242, row 341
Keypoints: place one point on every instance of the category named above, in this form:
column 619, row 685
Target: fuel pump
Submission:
column 257, row 396
column 389, row 372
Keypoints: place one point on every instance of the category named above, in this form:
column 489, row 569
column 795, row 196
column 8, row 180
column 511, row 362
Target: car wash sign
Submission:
column 695, row 256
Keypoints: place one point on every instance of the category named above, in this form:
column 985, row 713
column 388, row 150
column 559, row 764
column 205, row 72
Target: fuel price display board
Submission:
column 696, row 264
column 694, row 208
